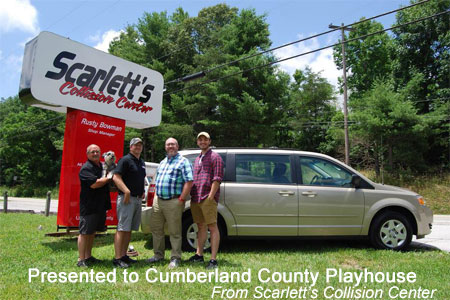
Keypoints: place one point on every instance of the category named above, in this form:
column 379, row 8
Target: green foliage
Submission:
column 422, row 63
column 311, row 110
column 423, row 48
column 368, row 58
column 416, row 63
column 241, row 110
column 387, row 123
column 31, row 144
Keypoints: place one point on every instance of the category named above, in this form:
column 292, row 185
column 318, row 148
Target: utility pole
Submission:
column 347, row 144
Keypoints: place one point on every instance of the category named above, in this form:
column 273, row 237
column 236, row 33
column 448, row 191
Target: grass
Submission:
column 24, row 246
column 434, row 188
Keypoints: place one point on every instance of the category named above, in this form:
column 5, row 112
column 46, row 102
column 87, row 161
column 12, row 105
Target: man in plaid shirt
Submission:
column 208, row 174
column 173, row 184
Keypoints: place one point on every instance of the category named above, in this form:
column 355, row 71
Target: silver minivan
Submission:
column 288, row 193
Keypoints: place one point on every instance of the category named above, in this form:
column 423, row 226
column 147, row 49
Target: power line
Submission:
column 309, row 52
column 30, row 126
column 94, row 17
column 39, row 122
column 78, row 6
column 429, row 100
column 3, row 143
column 299, row 41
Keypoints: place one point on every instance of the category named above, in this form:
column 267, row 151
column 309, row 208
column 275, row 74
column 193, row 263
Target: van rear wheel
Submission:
column 391, row 230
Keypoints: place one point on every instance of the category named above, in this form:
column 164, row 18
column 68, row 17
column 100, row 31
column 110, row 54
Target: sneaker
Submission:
column 196, row 258
column 120, row 263
column 82, row 264
column 128, row 260
column 131, row 251
column 92, row 260
column 174, row 263
column 212, row 264
column 154, row 259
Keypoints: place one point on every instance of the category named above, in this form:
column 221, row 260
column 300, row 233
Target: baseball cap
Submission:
column 205, row 134
column 135, row 140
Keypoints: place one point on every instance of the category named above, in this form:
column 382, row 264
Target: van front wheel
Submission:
column 391, row 230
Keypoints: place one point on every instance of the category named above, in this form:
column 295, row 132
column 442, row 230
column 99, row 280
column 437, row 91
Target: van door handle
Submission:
column 286, row 193
column 309, row 194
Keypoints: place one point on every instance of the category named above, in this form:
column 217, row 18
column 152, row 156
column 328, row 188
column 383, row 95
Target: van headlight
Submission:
column 420, row 200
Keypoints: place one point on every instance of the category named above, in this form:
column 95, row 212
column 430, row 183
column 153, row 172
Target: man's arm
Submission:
column 188, row 180
column 121, row 186
column 218, row 176
column 186, row 190
column 214, row 188
column 100, row 183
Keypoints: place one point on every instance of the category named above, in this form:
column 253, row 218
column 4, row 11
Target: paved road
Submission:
column 438, row 239
column 33, row 204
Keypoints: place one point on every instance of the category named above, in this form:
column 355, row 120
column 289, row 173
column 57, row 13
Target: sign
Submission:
column 83, row 129
column 58, row 73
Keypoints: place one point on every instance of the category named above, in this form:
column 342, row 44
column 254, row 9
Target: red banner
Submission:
column 82, row 129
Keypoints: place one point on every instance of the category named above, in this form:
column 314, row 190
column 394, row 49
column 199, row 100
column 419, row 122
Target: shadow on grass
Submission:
column 255, row 246
column 69, row 243
column 309, row 245
column 422, row 247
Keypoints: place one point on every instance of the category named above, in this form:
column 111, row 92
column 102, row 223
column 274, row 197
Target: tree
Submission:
column 31, row 144
column 422, row 71
column 245, row 109
column 367, row 59
column 311, row 110
column 422, row 49
column 389, row 127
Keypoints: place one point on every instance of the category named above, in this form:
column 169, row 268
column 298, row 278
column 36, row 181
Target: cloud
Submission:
column 10, row 74
column 105, row 39
column 15, row 63
column 11, row 63
column 18, row 15
column 321, row 61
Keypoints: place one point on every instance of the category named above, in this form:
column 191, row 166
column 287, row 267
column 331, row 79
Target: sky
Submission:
column 96, row 23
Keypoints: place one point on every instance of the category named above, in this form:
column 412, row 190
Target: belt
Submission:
column 176, row 196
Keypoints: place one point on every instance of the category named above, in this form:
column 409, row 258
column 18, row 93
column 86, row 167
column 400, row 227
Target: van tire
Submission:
column 190, row 235
column 391, row 230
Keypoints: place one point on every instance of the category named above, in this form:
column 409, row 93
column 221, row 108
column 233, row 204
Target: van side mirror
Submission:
column 356, row 181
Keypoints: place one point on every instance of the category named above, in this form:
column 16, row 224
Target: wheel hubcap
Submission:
column 191, row 237
column 393, row 233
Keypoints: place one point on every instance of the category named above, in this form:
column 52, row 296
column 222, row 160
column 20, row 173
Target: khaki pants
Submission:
column 169, row 211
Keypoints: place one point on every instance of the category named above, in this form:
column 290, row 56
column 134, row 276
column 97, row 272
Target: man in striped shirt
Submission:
column 208, row 174
column 173, row 184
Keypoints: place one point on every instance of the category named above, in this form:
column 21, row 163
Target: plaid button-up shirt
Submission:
column 171, row 176
column 207, row 169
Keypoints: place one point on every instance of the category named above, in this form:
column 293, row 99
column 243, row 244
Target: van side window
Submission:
column 320, row 172
column 274, row 169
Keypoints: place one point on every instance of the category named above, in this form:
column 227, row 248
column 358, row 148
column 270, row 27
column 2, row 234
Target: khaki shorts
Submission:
column 204, row 212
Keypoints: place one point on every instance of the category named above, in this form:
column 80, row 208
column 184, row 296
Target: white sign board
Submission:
column 58, row 73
